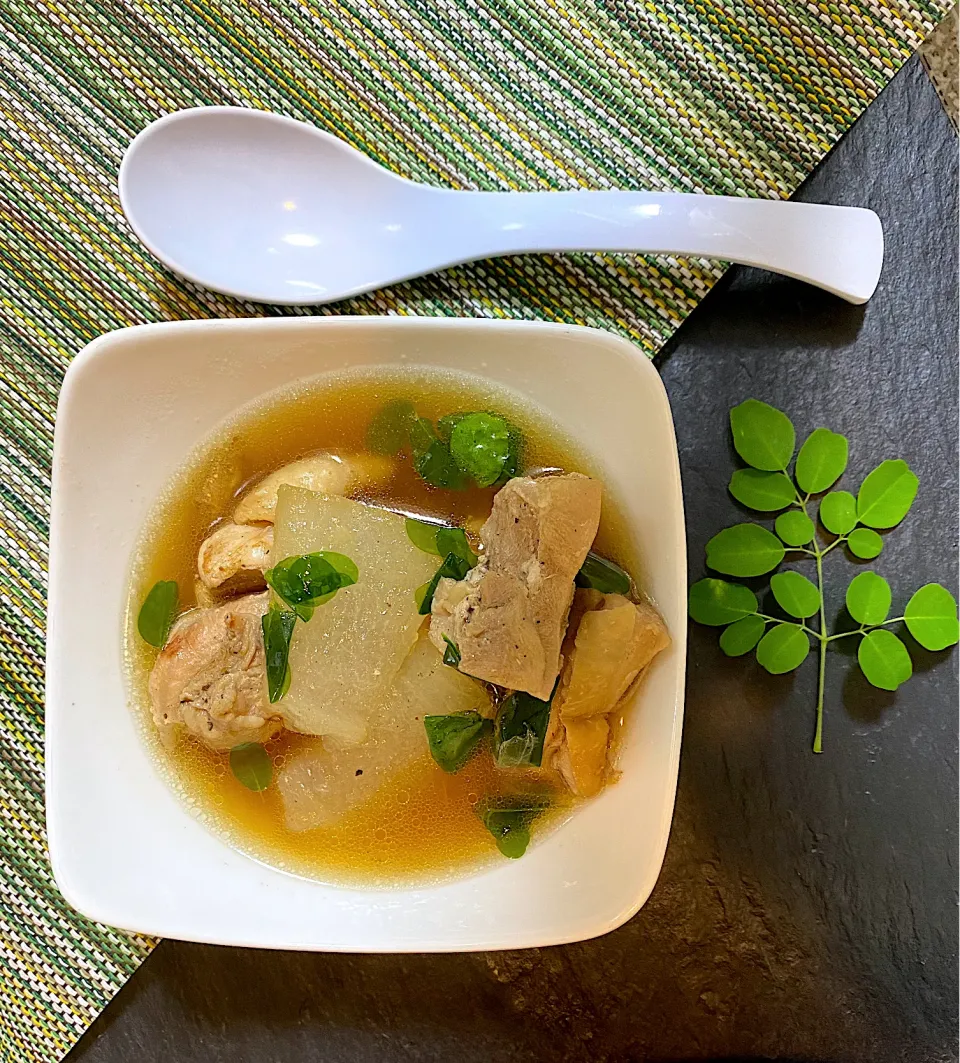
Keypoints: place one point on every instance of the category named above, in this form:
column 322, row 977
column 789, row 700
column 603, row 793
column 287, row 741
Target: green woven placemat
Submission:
column 741, row 97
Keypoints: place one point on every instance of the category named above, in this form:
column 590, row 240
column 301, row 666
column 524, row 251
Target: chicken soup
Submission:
column 382, row 628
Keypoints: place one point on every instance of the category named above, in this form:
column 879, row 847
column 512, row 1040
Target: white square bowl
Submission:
column 125, row 851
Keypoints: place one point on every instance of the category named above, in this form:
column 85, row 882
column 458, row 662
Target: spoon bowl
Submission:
column 273, row 210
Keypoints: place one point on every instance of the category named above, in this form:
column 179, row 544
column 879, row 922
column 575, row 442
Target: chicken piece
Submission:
column 234, row 557
column 609, row 642
column 509, row 615
column 613, row 641
column 210, row 677
column 203, row 596
column 327, row 473
column 582, row 756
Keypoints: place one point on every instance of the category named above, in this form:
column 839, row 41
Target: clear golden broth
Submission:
column 423, row 824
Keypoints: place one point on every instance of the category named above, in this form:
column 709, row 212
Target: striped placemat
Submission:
column 741, row 97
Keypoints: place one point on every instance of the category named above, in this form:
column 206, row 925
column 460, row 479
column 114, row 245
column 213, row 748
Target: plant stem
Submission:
column 821, row 635
column 822, row 639
column 836, row 542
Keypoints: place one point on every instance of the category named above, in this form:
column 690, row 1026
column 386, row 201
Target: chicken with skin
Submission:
column 210, row 677
column 609, row 643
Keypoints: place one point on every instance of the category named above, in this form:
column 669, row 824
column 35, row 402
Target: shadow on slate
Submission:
column 807, row 906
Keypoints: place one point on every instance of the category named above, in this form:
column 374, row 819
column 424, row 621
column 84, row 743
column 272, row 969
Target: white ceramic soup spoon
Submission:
column 273, row 210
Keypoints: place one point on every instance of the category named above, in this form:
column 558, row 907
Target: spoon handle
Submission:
column 839, row 249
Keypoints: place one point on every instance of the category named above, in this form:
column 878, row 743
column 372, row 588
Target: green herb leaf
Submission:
column 931, row 617
column 511, row 463
column 453, row 567
column 454, row 737
column 422, row 534
column 602, row 575
column 865, row 543
column 510, row 827
column 763, row 436
column 432, row 458
column 251, row 765
column 277, row 625
column 511, row 466
column 480, row 445
column 763, row 491
column 343, row 566
column 744, row 550
column 838, row 512
column 420, row 595
column 389, row 431
column 422, row 436
column 305, row 581
column 884, row 659
column 451, row 655
column 821, row 460
column 795, row 528
column 741, row 637
column 300, row 580
column 783, row 648
column 868, row 598
column 446, row 425
column 520, row 730
column 887, row 494
column 158, row 612
column 440, row 540
column 454, row 541
column 795, row 594
column 437, row 467
column 716, row 602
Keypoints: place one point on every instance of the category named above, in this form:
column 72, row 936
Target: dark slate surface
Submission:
column 807, row 906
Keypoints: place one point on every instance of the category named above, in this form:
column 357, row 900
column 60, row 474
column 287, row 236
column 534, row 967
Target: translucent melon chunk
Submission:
column 343, row 660
column 318, row 785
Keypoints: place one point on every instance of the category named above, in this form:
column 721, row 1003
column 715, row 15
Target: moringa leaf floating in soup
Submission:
column 602, row 575
column 510, row 826
column 452, row 739
column 278, row 625
column 510, row 830
column 447, row 423
column 521, row 728
column 423, row 535
column 439, row 539
column 451, row 655
column 476, row 447
column 453, row 567
column 420, row 596
column 389, row 431
column 308, row 580
column 454, row 541
column 432, row 458
column 433, row 461
column 349, row 573
column 158, row 612
column 251, row 765
column 481, row 444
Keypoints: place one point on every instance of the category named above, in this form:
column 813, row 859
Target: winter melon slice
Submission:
column 343, row 660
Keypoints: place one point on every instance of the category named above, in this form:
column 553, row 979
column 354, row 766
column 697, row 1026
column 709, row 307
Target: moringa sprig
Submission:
column 766, row 440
